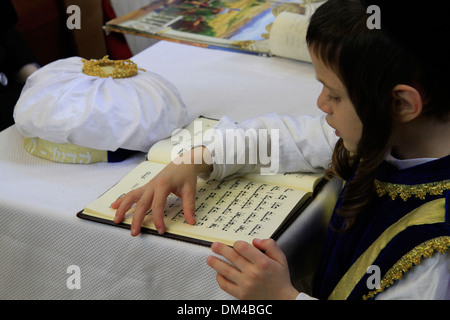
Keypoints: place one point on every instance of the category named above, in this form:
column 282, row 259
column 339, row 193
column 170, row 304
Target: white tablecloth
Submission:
column 40, row 236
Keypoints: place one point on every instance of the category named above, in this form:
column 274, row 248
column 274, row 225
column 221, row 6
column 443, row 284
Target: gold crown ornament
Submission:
column 104, row 68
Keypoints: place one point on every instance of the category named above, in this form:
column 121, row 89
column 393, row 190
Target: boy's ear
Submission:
column 407, row 103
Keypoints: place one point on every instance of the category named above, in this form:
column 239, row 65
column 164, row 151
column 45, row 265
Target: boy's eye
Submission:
column 333, row 98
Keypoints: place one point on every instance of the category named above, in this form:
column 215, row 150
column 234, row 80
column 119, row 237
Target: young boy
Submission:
column 384, row 102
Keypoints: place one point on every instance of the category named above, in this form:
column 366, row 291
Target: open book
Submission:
column 243, row 208
column 261, row 27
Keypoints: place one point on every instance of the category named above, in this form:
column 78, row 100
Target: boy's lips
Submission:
column 336, row 131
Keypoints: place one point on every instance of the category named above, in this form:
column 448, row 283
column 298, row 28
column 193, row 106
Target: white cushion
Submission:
column 61, row 104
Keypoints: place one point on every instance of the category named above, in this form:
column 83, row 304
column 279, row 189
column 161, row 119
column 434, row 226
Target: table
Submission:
column 41, row 238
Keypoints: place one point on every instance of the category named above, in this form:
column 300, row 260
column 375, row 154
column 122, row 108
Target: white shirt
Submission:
column 303, row 143
column 306, row 143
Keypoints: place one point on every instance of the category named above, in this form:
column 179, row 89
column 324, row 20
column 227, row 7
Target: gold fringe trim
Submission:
column 104, row 68
column 409, row 260
column 405, row 191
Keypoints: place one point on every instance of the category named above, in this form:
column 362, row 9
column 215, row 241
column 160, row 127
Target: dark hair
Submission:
column 369, row 64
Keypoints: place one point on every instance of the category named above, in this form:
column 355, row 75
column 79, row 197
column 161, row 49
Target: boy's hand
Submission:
column 257, row 272
column 179, row 179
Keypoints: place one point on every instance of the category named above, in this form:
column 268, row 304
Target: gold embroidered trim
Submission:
column 409, row 260
column 405, row 191
column 105, row 68
column 429, row 213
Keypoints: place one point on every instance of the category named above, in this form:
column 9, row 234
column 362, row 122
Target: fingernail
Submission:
column 160, row 230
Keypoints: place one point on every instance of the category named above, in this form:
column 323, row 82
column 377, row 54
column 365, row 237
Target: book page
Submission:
column 288, row 36
column 226, row 211
column 182, row 140
column 295, row 180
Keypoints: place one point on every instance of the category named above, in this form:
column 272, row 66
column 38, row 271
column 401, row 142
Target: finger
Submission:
column 159, row 202
column 116, row 204
column 230, row 254
column 227, row 285
column 142, row 206
column 188, row 196
column 123, row 204
column 271, row 249
column 224, row 269
column 248, row 251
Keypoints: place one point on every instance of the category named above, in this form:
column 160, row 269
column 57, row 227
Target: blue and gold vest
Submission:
column 408, row 222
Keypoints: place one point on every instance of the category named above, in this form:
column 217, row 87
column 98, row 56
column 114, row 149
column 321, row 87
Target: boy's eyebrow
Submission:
column 326, row 85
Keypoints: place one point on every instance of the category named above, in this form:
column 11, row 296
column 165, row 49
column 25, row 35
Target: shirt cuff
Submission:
column 304, row 296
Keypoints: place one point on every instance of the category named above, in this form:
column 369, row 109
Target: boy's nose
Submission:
column 323, row 104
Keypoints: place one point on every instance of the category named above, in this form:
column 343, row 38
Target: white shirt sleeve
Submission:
column 274, row 142
column 304, row 296
column 429, row 280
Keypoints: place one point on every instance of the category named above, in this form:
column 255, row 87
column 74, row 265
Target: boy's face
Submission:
column 334, row 101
